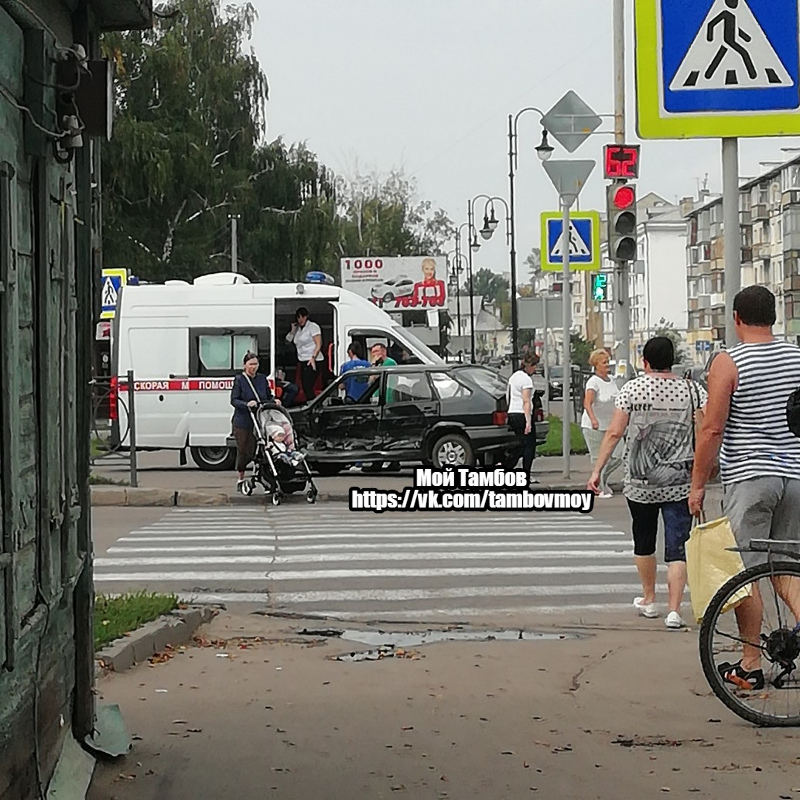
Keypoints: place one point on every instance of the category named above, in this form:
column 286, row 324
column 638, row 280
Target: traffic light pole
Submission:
column 566, row 389
column 622, row 308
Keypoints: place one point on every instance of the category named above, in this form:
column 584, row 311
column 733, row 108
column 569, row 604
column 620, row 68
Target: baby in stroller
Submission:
column 281, row 445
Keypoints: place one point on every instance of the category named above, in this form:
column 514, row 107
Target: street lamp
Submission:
column 455, row 282
column 489, row 225
column 543, row 151
column 473, row 246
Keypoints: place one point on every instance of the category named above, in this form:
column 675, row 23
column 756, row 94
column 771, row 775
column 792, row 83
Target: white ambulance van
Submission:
column 185, row 343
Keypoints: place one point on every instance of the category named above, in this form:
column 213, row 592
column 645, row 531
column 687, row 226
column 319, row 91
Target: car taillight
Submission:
column 112, row 399
column 538, row 415
column 499, row 418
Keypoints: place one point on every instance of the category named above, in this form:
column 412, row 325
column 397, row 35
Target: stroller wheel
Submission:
column 276, row 499
column 311, row 496
column 248, row 487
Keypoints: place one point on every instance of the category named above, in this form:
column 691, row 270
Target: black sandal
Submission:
column 734, row 674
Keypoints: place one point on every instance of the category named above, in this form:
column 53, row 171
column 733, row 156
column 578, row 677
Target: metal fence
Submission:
column 108, row 445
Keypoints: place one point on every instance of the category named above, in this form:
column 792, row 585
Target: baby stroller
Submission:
column 277, row 466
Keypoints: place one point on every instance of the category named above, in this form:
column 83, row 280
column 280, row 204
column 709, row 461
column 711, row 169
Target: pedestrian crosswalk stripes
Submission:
column 328, row 561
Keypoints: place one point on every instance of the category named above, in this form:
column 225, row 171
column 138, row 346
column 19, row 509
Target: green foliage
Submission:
column 116, row 616
column 580, row 350
column 665, row 328
column 188, row 152
column 552, row 445
column 491, row 286
column 534, row 263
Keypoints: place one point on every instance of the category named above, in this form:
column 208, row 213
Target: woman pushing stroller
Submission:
column 250, row 390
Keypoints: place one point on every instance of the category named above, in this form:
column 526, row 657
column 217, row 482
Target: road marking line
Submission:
column 338, row 574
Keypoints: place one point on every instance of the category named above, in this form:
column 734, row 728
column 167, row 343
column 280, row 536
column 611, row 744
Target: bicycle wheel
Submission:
column 777, row 643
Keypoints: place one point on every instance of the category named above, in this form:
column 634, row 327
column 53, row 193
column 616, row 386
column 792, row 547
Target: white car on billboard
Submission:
column 401, row 286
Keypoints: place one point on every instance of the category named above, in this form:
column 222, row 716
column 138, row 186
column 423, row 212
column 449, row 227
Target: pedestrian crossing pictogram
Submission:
column 577, row 247
column 731, row 50
column 109, row 293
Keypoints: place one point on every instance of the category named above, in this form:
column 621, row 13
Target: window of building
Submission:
column 790, row 178
column 763, row 194
column 744, row 201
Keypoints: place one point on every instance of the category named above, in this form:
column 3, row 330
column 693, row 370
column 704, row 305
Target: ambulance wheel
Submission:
column 214, row 459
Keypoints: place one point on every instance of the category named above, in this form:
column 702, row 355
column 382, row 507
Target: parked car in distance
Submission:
column 440, row 415
column 556, row 377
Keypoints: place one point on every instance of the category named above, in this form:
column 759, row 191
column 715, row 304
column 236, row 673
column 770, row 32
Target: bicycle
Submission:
column 778, row 642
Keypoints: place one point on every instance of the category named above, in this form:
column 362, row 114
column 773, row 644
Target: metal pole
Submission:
column 512, row 234
column 458, row 282
column 622, row 309
column 471, row 288
column 234, row 243
column 132, row 428
column 566, row 416
column 546, row 356
column 732, row 234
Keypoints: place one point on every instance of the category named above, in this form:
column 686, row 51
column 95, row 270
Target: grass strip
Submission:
column 114, row 617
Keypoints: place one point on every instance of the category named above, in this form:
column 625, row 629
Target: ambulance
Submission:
column 184, row 343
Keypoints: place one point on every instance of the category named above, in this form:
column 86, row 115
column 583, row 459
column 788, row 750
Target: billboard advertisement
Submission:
column 418, row 282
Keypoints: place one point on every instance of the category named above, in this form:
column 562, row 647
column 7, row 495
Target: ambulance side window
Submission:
column 218, row 352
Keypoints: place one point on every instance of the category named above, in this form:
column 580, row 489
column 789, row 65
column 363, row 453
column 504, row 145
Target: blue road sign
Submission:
column 113, row 281
column 584, row 250
column 718, row 67
column 730, row 55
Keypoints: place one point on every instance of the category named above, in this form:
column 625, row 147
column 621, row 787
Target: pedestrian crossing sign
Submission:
column 113, row 281
column 584, row 241
column 717, row 68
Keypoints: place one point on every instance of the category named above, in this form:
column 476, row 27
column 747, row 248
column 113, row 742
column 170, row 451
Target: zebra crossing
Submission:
column 328, row 561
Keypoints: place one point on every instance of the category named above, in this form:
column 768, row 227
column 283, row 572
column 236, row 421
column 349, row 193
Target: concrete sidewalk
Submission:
column 163, row 482
column 262, row 711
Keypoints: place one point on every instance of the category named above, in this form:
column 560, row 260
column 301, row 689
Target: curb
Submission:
column 157, row 498
column 171, row 630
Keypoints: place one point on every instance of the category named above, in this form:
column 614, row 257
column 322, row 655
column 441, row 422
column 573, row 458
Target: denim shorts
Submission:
column 677, row 528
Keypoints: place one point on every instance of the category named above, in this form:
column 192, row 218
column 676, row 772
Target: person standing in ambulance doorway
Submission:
column 250, row 389
column 307, row 339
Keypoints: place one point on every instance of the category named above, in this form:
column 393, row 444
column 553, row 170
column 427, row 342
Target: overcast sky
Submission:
column 428, row 85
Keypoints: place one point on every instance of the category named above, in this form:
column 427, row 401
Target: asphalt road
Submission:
column 328, row 561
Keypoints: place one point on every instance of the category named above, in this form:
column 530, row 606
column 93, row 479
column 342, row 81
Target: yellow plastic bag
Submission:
column 709, row 564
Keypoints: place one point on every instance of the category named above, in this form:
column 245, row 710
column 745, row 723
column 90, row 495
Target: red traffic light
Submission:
column 624, row 197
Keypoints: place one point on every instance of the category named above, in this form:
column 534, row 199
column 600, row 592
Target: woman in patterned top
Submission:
column 659, row 411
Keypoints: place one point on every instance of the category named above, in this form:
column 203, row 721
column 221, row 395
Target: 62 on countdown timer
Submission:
column 363, row 263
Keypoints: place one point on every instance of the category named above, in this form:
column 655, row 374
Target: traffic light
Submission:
column 600, row 287
column 622, row 222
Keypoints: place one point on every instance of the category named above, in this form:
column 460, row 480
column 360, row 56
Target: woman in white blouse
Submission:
column 599, row 403
column 307, row 339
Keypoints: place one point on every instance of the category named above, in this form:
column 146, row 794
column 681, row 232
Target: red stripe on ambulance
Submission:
column 189, row 385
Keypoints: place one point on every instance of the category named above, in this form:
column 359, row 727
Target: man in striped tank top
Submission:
column 745, row 423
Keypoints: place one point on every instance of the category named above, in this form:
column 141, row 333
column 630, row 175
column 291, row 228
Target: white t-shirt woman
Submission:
column 605, row 395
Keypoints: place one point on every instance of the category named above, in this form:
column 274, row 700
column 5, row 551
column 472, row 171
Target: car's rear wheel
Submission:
column 214, row 459
column 452, row 450
column 327, row 470
column 388, row 297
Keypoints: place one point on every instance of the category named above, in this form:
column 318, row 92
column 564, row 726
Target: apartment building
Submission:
column 769, row 222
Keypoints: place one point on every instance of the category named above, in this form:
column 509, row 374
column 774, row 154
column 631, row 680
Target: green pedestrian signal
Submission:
column 600, row 287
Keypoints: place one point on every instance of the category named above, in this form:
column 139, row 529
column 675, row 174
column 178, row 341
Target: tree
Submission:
column 191, row 111
column 491, row 286
column 665, row 328
column 381, row 215
column 580, row 350
column 534, row 264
